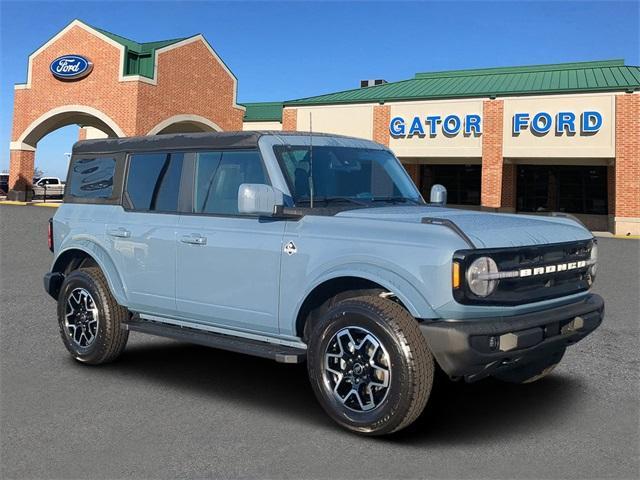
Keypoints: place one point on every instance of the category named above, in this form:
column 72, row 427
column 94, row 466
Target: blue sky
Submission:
column 286, row 50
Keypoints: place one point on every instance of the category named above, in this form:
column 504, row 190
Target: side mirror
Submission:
column 259, row 199
column 438, row 195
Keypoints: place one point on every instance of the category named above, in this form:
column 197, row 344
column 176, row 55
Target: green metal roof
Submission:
column 263, row 112
column 580, row 77
column 140, row 57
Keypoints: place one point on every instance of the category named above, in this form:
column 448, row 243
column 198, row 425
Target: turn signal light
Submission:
column 455, row 274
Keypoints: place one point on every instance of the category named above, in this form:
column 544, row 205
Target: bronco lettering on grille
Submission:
column 560, row 267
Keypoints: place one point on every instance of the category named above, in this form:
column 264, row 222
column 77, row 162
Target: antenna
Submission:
column 311, row 160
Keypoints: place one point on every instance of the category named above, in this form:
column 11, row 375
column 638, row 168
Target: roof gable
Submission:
column 139, row 57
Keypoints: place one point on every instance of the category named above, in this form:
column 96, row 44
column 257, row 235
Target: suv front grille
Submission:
column 533, row 288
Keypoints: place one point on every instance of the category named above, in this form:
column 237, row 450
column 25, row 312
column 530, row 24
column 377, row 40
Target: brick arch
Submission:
column 185, row 123
column 63, row 116
column 22, row 150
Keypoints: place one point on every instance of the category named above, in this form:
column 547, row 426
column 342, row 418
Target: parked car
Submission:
column 51, row 187
column 315, row 248
column 4, row 183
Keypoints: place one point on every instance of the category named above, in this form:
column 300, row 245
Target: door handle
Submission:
column 119, row 232
column 194, row 239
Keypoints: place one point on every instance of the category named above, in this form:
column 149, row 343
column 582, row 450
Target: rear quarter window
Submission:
column 92, row 177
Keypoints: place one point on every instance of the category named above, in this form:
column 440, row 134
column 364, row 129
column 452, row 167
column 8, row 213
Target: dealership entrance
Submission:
column 581, row 190
column 114, row 87
column 463, row 182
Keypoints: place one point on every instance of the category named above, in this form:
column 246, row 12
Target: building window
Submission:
column 461, row 181
column 562, row 188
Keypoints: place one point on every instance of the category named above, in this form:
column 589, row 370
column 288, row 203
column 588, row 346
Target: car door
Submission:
column 228, row 265
column 142, row 234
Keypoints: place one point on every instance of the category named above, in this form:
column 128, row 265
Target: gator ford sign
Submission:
column 539, row 123
column 433, row 125
column 71, row 67
column 542, row 123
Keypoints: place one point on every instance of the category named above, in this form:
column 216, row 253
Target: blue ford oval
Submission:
column 70, row 67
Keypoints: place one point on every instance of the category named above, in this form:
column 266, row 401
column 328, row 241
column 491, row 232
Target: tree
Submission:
column 38, row 172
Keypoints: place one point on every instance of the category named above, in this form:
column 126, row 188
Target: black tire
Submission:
column 108, row 338
column 404, row 349
column 532, row 371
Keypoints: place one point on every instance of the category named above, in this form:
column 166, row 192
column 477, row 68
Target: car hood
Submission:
column 486, row 230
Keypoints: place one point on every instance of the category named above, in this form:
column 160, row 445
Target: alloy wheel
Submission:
column 356, row 369
column 81, row 317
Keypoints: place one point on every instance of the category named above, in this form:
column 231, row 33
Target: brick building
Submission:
column 530, row 139
column 132, row 89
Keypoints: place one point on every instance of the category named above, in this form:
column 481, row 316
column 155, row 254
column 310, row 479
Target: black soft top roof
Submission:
column 181, row 141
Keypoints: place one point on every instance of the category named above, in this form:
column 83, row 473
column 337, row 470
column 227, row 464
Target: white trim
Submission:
column 335, row 105
column 121, row 48
column 69, row 109
column 21, row 146
column 225, row 331
column 136, row 78
column 184, row 118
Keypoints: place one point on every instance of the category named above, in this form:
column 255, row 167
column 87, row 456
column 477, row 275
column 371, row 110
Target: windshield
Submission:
column 345, row 174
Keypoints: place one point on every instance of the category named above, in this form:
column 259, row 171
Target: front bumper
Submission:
column 478, row 348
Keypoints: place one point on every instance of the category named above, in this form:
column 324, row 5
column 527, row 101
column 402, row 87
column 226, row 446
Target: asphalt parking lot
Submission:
column 170, row 410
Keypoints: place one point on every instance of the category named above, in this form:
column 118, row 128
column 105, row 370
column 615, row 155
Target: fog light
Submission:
column 494, row 343
column 575, row 324
column 508, row 341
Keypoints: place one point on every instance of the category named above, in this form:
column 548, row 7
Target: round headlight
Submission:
column 477, row 279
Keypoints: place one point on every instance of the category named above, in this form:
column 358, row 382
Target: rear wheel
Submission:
column 532, row 371
column 370, row 366
column 90, row 319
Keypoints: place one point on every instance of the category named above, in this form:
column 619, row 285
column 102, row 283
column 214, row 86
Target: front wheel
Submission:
column 370, row 366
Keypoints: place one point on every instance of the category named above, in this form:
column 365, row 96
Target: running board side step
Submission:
column 273, row 351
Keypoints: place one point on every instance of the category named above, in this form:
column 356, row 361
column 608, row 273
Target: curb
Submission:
column 611, row 235
column 50, row 205
column 29, row 204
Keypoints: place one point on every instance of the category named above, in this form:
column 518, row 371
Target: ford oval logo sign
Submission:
column 71, row 67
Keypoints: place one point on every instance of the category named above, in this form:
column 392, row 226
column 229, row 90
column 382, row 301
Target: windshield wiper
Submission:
column 396, row 200
column 328, row 200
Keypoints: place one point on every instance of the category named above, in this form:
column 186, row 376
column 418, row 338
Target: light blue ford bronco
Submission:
column 315, row 248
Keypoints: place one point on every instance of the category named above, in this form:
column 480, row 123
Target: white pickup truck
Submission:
column 48, row 186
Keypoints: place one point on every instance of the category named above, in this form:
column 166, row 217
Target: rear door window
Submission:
column 92, row 177
column 153, row 181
